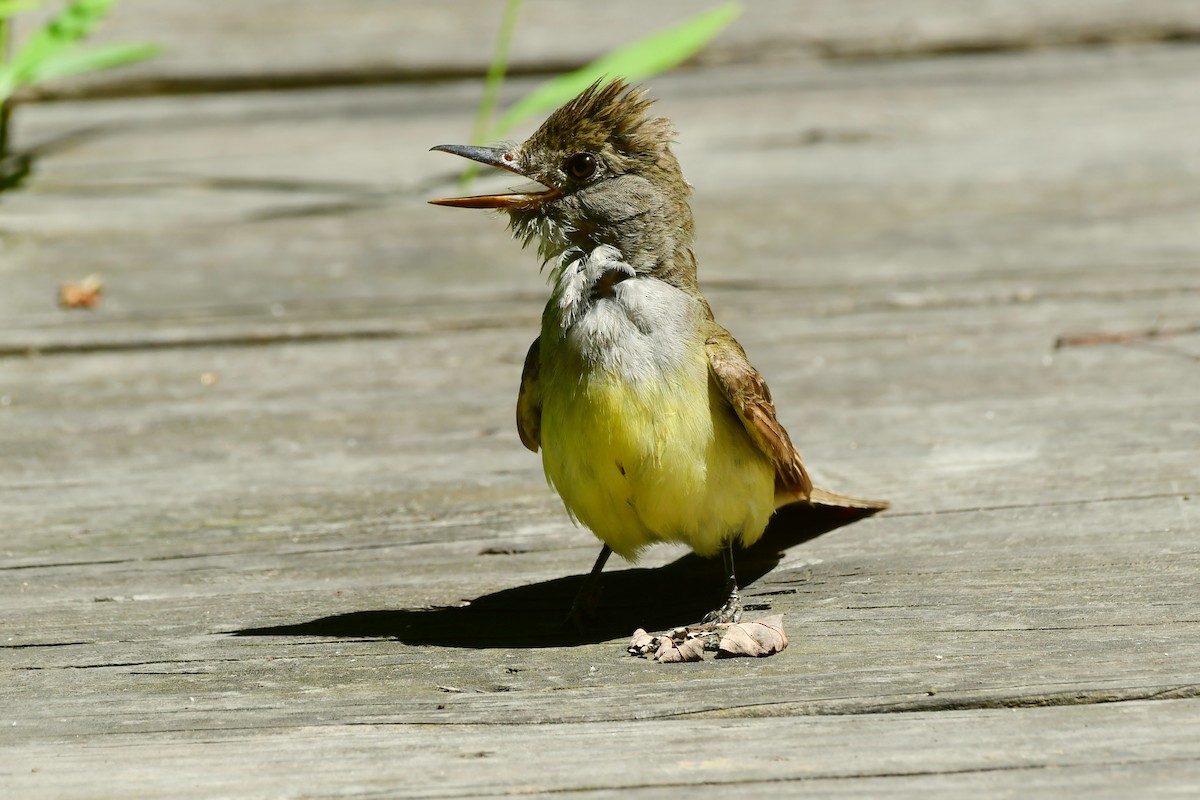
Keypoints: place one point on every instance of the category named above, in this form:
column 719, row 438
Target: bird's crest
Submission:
column 609, row 112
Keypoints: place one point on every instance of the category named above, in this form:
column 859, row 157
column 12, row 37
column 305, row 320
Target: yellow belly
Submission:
column 656, row 460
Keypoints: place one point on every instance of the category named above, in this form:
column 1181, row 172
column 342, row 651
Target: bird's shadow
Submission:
column 535, row 615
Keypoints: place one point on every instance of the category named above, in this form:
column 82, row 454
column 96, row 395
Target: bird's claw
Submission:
column 729, row 613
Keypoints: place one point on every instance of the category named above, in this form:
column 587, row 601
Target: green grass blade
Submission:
column 75, row 61
column 491, row 86
column 496, row 70
column 642, row 59
column 7, row 85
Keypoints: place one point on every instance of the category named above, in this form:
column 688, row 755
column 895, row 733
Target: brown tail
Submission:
column 821, row 497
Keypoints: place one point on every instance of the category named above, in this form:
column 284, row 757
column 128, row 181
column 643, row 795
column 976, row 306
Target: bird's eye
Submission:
column 581, row 165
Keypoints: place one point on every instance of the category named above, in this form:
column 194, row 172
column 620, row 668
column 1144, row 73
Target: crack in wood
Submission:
column 942, row 702
column 298, row 333
column 879, row 49
column 742, row 784
column 1172, row 495
column 264, row 338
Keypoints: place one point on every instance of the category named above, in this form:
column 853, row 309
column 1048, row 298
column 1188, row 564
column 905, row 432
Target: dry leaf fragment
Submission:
column 81, row 294
column 764, row 637
column 672, row 651
column 642, row 643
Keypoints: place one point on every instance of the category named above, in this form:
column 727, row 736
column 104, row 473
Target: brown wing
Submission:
column 747, row 392
column 529, row 399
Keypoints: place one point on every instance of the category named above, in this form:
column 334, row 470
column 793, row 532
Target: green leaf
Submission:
column 642, row 59
column 73, row 23
column 491, row 85
column 75, row 61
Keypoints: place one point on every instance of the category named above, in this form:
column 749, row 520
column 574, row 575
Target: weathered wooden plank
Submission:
column 892, row 186
column 1056, row 603
column 272, row 562
column 299, row 42
column 1020, row 546
column 976, row 393
column 1111, row 750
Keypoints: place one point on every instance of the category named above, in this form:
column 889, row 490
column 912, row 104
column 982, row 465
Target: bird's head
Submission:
column 605, row 175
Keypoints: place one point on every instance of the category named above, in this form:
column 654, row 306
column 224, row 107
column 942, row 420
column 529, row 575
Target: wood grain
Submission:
column 267, row 528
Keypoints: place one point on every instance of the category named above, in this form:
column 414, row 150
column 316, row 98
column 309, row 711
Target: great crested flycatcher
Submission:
column 653, row 425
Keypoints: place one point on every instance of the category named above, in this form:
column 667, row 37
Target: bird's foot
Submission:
column 587, row 600
column 731, row 612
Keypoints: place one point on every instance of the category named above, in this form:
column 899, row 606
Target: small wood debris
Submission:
column 81, row 294
column 1122, row 337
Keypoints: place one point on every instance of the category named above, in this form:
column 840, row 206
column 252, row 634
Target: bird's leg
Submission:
column 732, row 610
column 583, row 607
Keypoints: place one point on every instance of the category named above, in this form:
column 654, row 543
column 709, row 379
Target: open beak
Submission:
column 503, row 159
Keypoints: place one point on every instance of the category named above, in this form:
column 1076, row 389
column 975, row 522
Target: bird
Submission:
column 653, row 426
